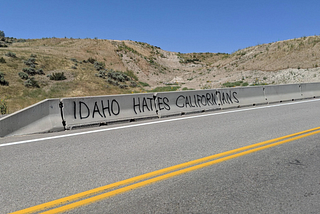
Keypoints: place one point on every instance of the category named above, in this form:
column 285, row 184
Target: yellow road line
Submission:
column 98, row 190
column 169, row 175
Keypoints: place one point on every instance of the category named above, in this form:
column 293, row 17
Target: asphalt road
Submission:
column 282, row 179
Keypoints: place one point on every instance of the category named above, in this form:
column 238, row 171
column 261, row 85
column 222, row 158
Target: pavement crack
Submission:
column 296, row 162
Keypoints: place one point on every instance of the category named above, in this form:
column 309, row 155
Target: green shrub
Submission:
column 2, row 80
column 31, row 62
column 115, row 77
column 31, row 83
column 165, row 88
column 2, row 33
column 118, row 76
column 3, row 107
column 123, row 86
column 10, row 54
column 234, row 84
column 257, row 84
column 170, row 83
column 101, row 74
column 33, row 56
column 3, row 44
column 57, row 76
column 32, row 71
column 21, row 40
column 112, row 82
column 133, row 84
column 23, row 75
column 132, row 75
column 40, row 72
column 192, row 60
column 144, row 84
column 2, row 60
column 185, row 89
column 29, row 71
column 98, row 65
column 91, row 60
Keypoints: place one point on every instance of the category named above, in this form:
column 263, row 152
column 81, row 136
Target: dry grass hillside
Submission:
column 101, row 67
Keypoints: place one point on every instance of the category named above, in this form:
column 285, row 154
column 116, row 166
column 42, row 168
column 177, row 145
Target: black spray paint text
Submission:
column 98, row 108
column 143, row 104
column 208, row 99
column 150, row 104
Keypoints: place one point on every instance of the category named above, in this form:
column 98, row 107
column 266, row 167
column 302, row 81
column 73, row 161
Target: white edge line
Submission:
column 153, row 122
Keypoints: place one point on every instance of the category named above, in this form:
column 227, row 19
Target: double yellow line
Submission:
column 94, row 195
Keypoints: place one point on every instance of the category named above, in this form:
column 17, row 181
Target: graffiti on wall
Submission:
column 142, row 104
column 102, row 108
column 208, row 99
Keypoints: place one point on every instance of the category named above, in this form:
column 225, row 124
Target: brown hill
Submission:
column 85, row 61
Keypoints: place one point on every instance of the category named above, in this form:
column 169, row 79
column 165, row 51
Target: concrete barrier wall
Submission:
column 104, row 109
column 280, row 93
column 310, row 90
column 41, row 117
column 247, row 96
column 47, row 115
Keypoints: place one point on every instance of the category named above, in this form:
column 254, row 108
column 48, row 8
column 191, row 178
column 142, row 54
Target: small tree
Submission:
column 2, row 60
column 2, row 33
column 57, row 76
column 2, row 80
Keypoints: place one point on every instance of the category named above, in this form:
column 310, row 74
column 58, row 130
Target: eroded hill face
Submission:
column 148, row 67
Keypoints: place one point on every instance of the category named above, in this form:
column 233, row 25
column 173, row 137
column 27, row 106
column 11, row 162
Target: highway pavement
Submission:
column 281, row 178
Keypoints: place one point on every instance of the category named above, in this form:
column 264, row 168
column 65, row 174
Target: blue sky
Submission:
column 174, row 25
